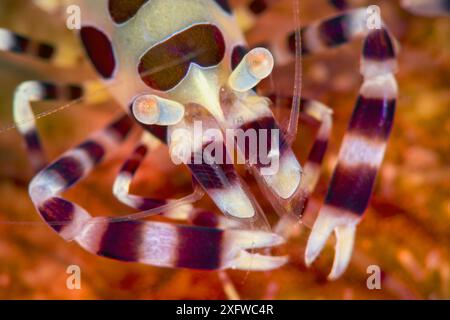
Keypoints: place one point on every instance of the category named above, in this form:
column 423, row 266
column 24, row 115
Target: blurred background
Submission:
column 406, row 230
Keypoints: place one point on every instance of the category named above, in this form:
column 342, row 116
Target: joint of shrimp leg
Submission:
column 237, row 244
column 343, row 224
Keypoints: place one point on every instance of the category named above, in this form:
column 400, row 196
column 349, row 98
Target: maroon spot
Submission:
column 58, row 211
column 32, row 140
column 202, row 44
column 373, row 117
column 148, row 204
column 141, row 150
column 350, row 188
column 206, row 219
column 122, row 241
column 258, row 6
column 318, row 151
column 99, row 49
column 132, row 164
column 74, row 92
column 94, row 150
column 199, row 248
column 378, row 46
column 224, row 5
column 50, row 91
column 122, row 126
column 69, row 168
column 238, row 54
column 45, row 51
column 333, row 31
column 35, row 150
column 123, row 10
column 158, row 131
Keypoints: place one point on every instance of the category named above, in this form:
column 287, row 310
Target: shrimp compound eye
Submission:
column 166, row 64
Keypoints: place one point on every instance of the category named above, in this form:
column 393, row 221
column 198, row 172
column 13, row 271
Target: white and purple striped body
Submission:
column 173, row 63
column 153, row 24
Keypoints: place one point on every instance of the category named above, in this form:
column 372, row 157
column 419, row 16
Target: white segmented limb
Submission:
column 239, row 241
column 158, row 248
column 311, row 175
column 23, row 45
column 234, row 201
column 254, row 67
column 312, row 39
column 151, row 109
column 218, row 178
column 257, row 262
column 328, row 221
column 179, row 209
column 357, row 151
column 47, row 186
column 286, row 179
column 345, row 235
column 121, row 188
column 345, row 238
column 361, row 153
column 142, row 241
column 247, row 239
column 383, row 85
column 25, row 120
column 288, row 224
column 23, row 115
column 371, row 69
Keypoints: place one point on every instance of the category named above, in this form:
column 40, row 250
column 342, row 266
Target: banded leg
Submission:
column 252, row 10
column 361, row 153
column 311, row 111
column 179, row 246
column 154, row 243
column 175, row 209
column 312, row 168
column 322, row 35
column 24, row 118
column 211, row 220
column 212, row 167
column 65, row 217
column 262, row 146
column 431, row 8
column 20, row 44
